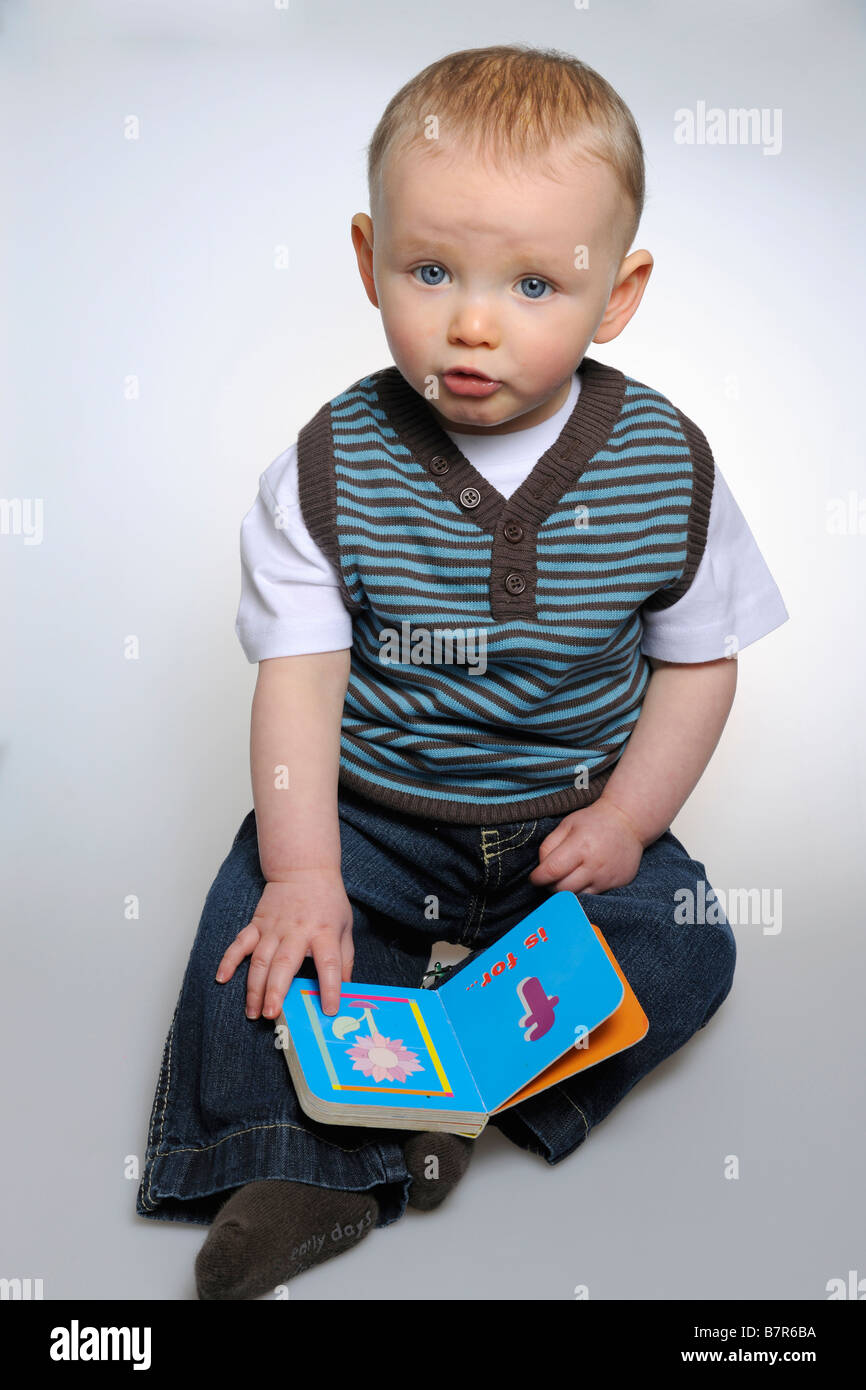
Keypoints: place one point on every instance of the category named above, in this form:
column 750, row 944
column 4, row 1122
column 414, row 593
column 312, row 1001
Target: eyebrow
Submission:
column 414, row 245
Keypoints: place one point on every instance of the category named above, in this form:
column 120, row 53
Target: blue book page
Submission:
column 526, row 999
column 386, row 1046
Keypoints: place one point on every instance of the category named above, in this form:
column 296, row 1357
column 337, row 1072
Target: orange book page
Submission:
column 626, row 1026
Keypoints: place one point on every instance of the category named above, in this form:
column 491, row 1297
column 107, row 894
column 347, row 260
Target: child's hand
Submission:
column 590, row 850
column 308, row 914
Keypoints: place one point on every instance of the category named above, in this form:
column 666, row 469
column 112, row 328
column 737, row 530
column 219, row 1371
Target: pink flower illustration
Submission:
column 384, row 1059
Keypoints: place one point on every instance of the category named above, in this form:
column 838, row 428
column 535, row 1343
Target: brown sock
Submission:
column 432, row 1181
column 269, row 1231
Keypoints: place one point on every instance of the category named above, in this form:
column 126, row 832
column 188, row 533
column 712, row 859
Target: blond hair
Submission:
column 510, row 102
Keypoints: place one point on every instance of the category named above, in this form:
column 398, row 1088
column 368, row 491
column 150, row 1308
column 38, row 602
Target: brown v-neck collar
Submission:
column 595, row 412
column 513, row 522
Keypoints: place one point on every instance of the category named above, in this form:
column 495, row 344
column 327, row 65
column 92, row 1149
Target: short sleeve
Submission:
column 290, row 602
column 732, row 600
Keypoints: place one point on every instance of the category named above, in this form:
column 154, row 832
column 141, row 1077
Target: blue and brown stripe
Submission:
column 550, row 581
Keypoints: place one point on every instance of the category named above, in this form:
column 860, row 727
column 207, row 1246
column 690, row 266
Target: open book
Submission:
column 544, row 1001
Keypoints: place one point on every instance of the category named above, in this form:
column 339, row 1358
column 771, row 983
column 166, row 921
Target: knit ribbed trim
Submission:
column 317, row 492
column 703, row 477
column 470, row 813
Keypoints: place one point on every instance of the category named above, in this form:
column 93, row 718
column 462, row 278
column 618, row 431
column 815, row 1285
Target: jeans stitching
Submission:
column 518, row 844
column 466, row 940
column 576, row 1107
column 469, row 940
column 161, row 1076
column 236, row 1134
column 490, row 855
column 167, row 1073
column 504, row 847
column 512, row 842
column 165, row 1153
column 493, row 850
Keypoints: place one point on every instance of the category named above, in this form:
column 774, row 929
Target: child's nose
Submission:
column 476, row 324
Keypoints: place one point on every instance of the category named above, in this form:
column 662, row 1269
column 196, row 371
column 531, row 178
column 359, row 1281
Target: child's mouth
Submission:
column 463, row 383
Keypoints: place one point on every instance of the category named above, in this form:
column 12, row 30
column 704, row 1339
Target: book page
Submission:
column 386, row 1045
column 530, row 996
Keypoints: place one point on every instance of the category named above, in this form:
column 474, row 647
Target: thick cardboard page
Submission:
column 524, row 1001
column 625, row 1027
column 388, row 1048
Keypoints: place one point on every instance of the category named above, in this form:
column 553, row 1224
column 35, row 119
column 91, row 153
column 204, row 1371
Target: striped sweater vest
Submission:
column 496, row 670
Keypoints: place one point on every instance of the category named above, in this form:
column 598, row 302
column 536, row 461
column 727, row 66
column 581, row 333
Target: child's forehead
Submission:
column 451, row 194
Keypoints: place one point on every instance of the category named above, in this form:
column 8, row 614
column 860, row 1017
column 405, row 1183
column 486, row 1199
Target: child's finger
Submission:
column 245, row 941
column 284, row 967
column 579, row 881
column 347, row 951
column 550, row 842
column 329, row 965
column 558, row 863
column 260, row 966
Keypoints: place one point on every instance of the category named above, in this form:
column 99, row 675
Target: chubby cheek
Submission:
column 548, row 357
column 404, row 347
column 411, row 330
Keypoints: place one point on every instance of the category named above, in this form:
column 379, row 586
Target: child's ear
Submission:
column 626, row 295
column 362, row 240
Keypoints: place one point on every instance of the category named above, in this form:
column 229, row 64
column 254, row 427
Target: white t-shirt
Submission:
column 290, row 599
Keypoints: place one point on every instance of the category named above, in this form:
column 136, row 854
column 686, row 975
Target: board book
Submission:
column 546, row 1000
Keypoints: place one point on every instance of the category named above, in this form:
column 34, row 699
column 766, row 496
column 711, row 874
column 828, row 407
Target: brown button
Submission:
column 439, row 464
column 470, row 497
column 513, row 531
column 515, row 583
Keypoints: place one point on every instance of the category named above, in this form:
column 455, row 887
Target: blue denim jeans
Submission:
column 225, row 1111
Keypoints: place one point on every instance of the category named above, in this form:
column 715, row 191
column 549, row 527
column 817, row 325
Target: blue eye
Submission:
column 433, row 274
column 535, row 281
column 437, row 269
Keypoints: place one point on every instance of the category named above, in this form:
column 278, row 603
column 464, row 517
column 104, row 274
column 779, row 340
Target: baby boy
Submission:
column 494, row 494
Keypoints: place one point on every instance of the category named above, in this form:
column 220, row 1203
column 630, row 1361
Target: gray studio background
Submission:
column 154, row 259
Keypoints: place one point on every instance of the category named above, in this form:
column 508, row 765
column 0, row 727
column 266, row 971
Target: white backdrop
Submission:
column 156, row 360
